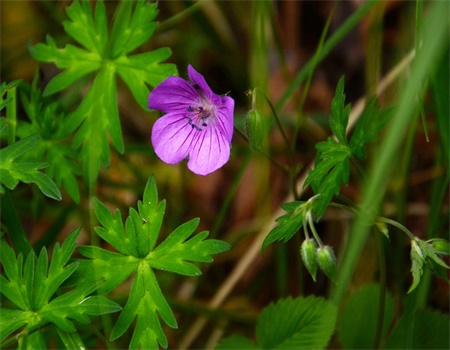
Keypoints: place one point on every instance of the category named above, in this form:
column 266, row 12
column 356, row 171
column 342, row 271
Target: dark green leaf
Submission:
column 289, row 224
column 358, row 321
column 339, row 113
column 132, row 30
column 12, row 320
column 174, row 253
column 426, row 329
column 145, row 302
column 301, row 323
column 237, row 343
column 367, row 128
column 417, row 260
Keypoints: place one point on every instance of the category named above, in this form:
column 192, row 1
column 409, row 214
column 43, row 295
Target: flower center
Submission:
column 198, row 117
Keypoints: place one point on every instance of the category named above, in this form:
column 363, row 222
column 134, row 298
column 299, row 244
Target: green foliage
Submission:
column 301, row 323
column 4, row 88
column 53, row 146
column 358, row 322
column 32, row 285
column 429, row 253
column 289, row 224
column 332, row 164
column 105, row 54
column 137, row 254
column 12, row 170
column 425, row 329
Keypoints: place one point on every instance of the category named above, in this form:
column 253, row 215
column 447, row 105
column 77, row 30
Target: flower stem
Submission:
column 396, row 224
column 313, row 229
column 382, row 296
column 15, row 230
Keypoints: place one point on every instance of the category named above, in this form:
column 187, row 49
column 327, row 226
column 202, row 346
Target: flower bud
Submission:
column 327, row 262
column 308, row 253
column 256, row 129
column 441, row 246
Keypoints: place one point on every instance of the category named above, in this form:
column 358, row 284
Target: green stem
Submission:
column 435, row 37
column 11, row 115
column 230, row 195
column 176, row 19
column 292, row 171
column 16, row 232
column 343, row 30
column 265, row 154
column 396, row 224
column 313, row 229
column 382, row 297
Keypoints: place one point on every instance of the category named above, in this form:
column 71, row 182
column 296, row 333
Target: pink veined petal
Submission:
column 198, row 79
column 172, row 138
column 210, row 151
column 225, row 119
column 172, row 95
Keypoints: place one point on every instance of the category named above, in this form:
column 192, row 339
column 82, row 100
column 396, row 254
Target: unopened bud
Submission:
column 256, row 129
column 327, row 262
column 441, row 246
column 308, row 253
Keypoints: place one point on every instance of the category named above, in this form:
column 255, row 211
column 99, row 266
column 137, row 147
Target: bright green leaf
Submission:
column 301, row 323
column 97, row 115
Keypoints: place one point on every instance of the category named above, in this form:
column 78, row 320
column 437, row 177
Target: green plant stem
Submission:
column 343, row 30
column 11, row 115
column 230, row 195
column 396, row 224
column 313, row 229
column 435, row 37
column 180, row 16
column 382, row 297
column 16, row 232
column 292, row 170
column 265, row 154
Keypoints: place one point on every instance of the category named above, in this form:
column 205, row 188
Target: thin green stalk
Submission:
column 435, row 36
column 292, row 170
column 11, row 115
column 374, row 48
column 343, row 30
column 180, row 16
column 265, row 154
column 230, row 195
column 16, row 232
column 382, row 298
column 315, row 61
column 396, row 224
column 417, row 46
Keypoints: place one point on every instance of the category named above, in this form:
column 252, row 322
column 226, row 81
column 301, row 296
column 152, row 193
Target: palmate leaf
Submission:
column 53, row 147
column 289, row 224
column 105, row 55
column 137, row 253
column 31, row 287
column 12, row 170
column 4, row 88
column 301, row 323
column 332, row 164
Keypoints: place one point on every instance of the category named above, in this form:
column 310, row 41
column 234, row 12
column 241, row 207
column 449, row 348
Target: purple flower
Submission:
column 198, row 123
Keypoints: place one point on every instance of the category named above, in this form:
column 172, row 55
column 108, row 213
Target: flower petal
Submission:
column 210, row 150
column 173, row 95
column 225, row 121
column 172, row 138
column 203, row 86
